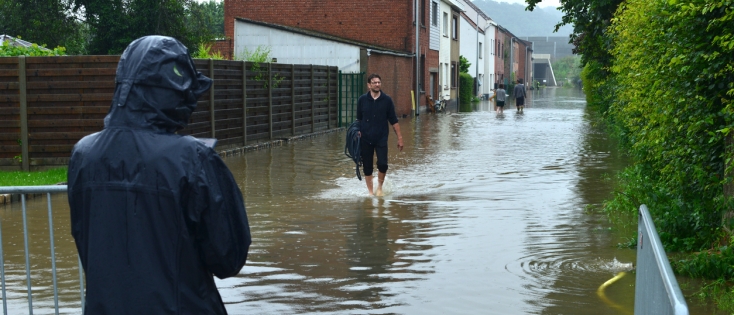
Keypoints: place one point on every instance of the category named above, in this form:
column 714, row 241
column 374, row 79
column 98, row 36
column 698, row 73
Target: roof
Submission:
column 475, row 8
column 17, row 42
column 12, row 41
column 454, row 4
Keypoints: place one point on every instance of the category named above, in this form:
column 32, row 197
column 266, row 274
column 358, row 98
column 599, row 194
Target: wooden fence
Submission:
column 48, row 103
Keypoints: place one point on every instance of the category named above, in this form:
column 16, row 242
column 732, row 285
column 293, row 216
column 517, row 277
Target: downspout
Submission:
column 476, row 64
column 417, row 60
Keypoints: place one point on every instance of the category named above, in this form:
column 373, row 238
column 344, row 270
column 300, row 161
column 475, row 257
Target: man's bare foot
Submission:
column 379, row 192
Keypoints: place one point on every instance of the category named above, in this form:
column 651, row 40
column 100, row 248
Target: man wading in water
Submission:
column 375, row 110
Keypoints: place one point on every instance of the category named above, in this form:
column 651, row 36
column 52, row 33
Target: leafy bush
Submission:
column 203, row 51
column 7, row 50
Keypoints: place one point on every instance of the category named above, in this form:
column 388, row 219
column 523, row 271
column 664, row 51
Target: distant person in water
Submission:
column 519, row 93
column 500, row 95
column 375, row 111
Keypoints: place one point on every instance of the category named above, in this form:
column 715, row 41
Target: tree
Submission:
column 209, row 15
column 464, row 65
column 49, row 23
column 590, row 20
column 116, row 23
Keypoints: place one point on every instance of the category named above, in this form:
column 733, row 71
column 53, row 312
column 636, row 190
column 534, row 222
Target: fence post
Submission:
column 244, row 103
column 339, row 99
column 293, row 99
column 313, row 103
column 328, row 97
column 24, row 155
column 270, row 100
column 211, row 97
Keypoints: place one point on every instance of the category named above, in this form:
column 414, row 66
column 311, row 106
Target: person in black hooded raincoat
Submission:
column 154, row 214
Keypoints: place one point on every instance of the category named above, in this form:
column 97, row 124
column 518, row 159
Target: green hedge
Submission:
column 466, row 88
column 668, row 95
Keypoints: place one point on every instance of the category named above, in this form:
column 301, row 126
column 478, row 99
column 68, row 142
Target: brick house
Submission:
column 384, row 31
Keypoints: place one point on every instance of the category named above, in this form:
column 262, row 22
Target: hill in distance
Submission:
column 539, row 22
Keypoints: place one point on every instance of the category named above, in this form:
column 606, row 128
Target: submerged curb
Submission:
column 275, row 143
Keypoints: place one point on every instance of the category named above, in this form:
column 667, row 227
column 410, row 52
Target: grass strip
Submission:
column 36, row 178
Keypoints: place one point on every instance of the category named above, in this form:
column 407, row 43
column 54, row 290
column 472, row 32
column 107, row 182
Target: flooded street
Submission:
column 482, row 214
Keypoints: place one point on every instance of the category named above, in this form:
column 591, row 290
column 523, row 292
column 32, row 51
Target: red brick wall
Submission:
column 224, row 47
column 397, row 79
column 386, row 23
column 499, row 61
column 521, row 61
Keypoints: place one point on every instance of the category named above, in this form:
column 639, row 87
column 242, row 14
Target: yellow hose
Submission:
column 603, row 297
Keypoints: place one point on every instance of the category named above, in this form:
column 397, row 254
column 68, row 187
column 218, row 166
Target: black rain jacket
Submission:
column 154, row 214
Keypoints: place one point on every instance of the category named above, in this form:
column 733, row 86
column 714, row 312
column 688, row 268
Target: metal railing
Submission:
column 23, row 191
column 656, row 289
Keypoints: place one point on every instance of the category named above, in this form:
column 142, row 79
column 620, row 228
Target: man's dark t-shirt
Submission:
column 374, row 114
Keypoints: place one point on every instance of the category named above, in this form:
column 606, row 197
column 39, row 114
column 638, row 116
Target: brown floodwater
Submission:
column 482, row 214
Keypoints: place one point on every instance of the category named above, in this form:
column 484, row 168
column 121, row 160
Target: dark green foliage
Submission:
column 49, row 23
column 116, row 23
column 208, row 15
column 567, row 69
column 590, row 19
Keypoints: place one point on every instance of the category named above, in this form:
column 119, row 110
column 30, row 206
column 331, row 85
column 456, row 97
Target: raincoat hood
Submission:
column 157, row 86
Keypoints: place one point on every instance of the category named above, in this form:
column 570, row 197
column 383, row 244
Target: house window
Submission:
column 480, row 51
column 455, row 27
column 445, row 24
column 434, row 13
column 453, row 75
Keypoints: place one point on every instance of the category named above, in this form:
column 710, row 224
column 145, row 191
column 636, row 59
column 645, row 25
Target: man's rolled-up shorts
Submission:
column 368, row 152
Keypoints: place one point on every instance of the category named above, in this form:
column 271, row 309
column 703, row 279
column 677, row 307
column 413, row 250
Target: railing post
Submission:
column 211, row 97
column 313, row 103
column 23, row 98
column 27, row 255
column 328, row 97
column 293, row 99
column 244, row 103
column 2, row 272
column 339, row 97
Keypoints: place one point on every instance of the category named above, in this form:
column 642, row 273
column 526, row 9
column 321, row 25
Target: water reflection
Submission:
column 483, row 213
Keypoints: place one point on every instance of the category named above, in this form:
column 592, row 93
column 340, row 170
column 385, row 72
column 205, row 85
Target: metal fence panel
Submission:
column 23, row 191
column 351, row 87
column 656, row 289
